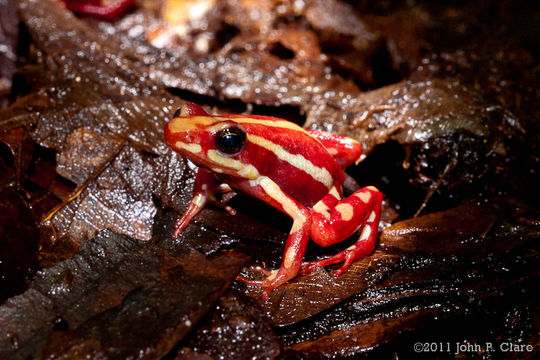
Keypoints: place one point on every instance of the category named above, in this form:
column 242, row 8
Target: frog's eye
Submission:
column 230, row 140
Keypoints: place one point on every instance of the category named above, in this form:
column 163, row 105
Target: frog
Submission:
column 108, row 10
column 298, row 171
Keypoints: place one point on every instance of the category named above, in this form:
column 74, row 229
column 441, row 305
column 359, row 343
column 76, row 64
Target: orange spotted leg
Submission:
column 334, row 220
column 204, row 191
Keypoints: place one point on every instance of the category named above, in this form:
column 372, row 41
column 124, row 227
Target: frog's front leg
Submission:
column 334, row 220
column 204, row 191
column 267, row 190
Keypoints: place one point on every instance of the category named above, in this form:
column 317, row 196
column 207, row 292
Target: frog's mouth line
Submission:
column 237, row 167
column 191, row 148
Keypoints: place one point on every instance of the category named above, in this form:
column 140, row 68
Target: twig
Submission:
column 372, row 111
column 433, row 188
column 78, row 192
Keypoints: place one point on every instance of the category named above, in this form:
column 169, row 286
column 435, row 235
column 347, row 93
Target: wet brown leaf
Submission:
column 454, row 141
column 361, row 337
column 113, row 294
column 311, row 294
column 237, row 328
column 419, row 112
column 469, row 230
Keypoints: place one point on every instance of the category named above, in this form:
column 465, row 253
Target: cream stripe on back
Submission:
column 320, row 174
column 274, row 123
column 194, row 122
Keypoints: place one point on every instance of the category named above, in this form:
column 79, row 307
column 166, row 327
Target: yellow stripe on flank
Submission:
column 365, row 233
column 298, row 161
column 274, row 191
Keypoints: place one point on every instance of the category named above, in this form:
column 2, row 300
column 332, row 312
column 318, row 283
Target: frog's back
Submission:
column 287, row 154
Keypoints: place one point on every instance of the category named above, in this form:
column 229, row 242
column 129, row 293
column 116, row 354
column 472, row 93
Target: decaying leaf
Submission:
column 236, row 327
column 115, row 292
column 452, row 137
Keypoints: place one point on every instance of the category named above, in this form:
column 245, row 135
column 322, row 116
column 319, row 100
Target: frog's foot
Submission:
column 222, row 204
column 347, row 257
column 212, row 199
column 195, row 206
column 273, row 279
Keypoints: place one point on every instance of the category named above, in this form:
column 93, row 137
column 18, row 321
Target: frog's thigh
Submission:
column 344, row 214
column 343, row 149
column 334, row 224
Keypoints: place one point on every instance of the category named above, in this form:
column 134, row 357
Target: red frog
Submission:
column 297, row 171
column 105, row 9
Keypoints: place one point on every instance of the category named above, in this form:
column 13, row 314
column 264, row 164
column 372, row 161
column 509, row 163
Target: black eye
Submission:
column 177, row 113
column 230, row 140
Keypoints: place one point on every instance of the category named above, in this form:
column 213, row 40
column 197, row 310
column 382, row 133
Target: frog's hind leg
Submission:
column 331, row 225
column 343, row 149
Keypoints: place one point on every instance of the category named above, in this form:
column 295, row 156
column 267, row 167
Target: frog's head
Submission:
column 212, row 142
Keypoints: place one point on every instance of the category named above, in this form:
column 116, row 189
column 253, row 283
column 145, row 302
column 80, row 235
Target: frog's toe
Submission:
column 274, row 279
column 270, row 275
column 222, row 204
column 346, row 257
column 263, row 271
column 308, row 266
column 249, row 282
column 346, row 264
